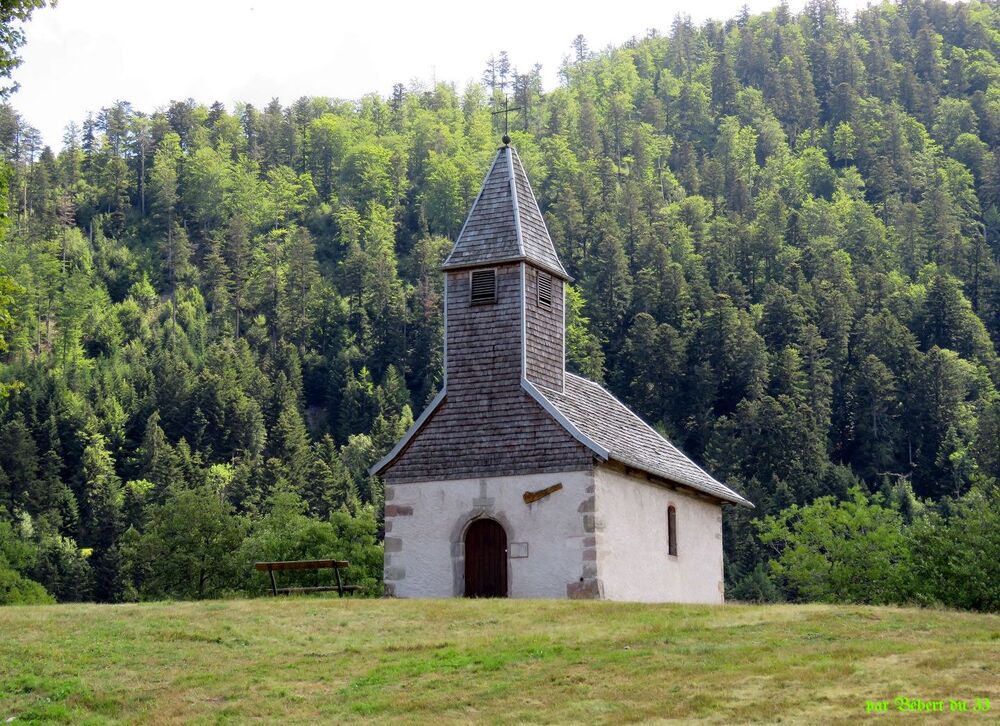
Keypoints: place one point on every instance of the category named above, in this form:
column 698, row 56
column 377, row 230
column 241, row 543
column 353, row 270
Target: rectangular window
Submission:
column 672, row 531
column 484, row 287
column 544, row 290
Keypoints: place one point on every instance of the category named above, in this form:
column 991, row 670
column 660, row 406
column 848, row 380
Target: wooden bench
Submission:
column 335, row 565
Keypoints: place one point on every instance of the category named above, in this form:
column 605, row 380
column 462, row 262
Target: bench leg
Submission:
column 340, row 585
column 274, row 586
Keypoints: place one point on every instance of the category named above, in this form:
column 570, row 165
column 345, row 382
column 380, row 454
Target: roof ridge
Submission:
column 534, row 200
column 513, row 198
column 634, row 415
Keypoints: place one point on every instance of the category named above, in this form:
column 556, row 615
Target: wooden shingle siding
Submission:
column 544, row 340
column 489, row 232
column 537, row 243
column 523, row 439
column 505, row 223
column 484, row 346
column 487, row 425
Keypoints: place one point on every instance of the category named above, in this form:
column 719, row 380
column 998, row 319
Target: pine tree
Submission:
column 301, row 280
column 609, row 288
column 174, row 247
column 157, row 461
column 238, row 254
column 19, row 460
column 104, row 520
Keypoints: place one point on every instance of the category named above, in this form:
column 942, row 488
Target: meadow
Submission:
column 306, row 659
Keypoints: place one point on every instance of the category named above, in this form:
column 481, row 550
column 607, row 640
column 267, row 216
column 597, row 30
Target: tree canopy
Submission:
column 785, row 231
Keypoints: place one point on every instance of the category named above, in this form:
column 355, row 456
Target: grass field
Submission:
column 506, row 661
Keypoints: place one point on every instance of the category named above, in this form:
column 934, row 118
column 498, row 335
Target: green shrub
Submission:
column 756, row 586
column 60, row 566
column 18, row 590
column 189, row 550
column 286, row 533
column 850, row 551
column 16, row 555
column 957, row 557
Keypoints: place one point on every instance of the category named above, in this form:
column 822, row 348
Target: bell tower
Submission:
column 504, row 292
column 504, row 343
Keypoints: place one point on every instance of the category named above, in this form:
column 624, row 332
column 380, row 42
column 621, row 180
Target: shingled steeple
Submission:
column 505, row 223
column 507, row 405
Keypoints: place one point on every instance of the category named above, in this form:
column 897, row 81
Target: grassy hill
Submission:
column 305, row 659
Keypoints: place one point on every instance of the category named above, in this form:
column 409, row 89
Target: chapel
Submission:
column 521, row 479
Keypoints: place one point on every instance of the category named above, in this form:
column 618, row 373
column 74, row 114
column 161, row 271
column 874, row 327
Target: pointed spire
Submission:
column 505, row 223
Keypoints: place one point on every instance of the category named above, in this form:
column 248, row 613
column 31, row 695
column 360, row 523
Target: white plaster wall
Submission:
column 632, row 559
column 428, row 542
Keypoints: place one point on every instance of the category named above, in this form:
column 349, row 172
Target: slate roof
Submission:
column 505, row 223
column 607, row 422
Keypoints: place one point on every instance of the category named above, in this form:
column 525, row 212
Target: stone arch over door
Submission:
column 485, row 569
column 457, row 538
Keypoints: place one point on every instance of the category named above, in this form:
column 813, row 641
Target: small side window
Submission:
column 672, row 531
column 484, row 287
column 544, row 290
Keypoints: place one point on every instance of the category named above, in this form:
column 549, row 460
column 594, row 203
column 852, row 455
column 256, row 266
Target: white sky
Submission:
column 85, row 54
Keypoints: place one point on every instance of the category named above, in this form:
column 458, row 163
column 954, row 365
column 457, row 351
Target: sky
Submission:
column 86, row 54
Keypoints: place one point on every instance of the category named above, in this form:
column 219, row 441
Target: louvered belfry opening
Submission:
column 545, row 289
column 484, row 287
column 504, row 317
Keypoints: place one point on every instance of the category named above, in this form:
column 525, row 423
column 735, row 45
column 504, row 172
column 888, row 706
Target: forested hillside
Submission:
column 785, row 233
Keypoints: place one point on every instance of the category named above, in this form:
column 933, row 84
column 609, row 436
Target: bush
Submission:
column 286, row 533
column 62, row 569
column 850, row 551
column 957, row 558
column 189, row 549
column 17, row 554
column 756, row 586
column 18, row 590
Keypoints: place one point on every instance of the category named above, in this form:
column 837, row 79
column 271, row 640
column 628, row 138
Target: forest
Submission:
column 785, row 234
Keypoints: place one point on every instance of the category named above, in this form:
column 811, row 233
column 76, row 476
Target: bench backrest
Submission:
column 302, row 565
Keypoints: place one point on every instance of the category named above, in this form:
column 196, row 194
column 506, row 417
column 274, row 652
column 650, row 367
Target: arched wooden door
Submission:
column 485, row 559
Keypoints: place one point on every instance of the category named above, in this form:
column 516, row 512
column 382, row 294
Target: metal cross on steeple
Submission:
column 505, row 111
